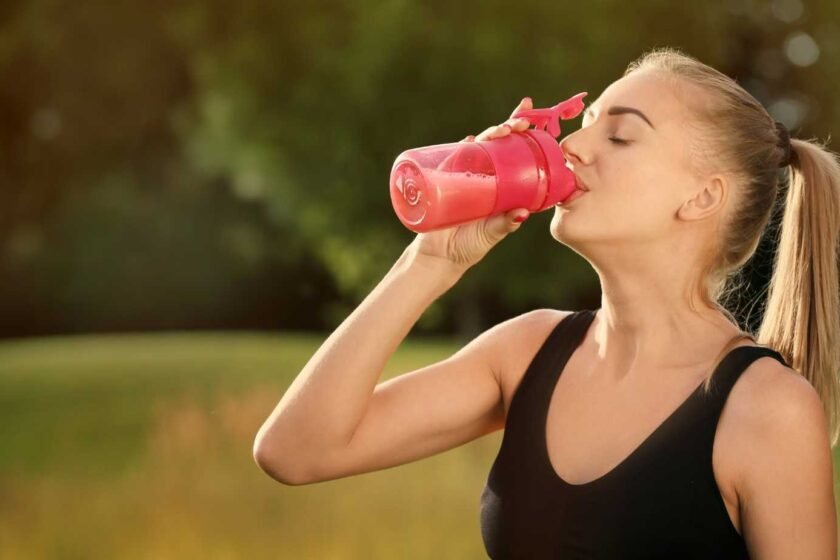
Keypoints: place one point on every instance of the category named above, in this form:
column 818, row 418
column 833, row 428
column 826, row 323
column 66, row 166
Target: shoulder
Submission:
column 528, row 329
column 773, row 402
column 534, row 323
column 507, row 337
column 535, row 326
column 771, row 395
column 520, row 338
column 785, row 476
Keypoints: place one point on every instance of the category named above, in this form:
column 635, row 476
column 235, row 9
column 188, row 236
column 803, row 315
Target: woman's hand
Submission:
column 512, row 124
column 464, row 245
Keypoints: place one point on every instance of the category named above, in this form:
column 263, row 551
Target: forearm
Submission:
column 327, row 400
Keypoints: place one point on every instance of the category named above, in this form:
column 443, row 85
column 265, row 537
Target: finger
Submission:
column 487, row 133
column 518, row 125
column 524, row 105
column 518, row 216
column 469, row 138
column 505, row 223
column 493, row 132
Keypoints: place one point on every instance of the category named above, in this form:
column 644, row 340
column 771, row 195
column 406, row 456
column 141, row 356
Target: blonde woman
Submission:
column 671, row 433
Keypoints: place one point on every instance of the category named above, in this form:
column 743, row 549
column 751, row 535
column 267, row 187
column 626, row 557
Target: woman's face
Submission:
column 632, row 153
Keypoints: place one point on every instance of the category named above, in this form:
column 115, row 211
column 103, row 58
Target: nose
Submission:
column 578, row 146
column 569, row 148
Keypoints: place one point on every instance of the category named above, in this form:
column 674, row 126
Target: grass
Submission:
column 139, row 447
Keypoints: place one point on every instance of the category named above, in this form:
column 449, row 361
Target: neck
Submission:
column 645, row 324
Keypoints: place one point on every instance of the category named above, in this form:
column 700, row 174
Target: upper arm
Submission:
column 787, row 486
column 431, row 409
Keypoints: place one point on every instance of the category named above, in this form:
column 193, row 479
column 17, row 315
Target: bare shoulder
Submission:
column 536, row 321
column 784, row 474
column 767, row 396
column 525, row 334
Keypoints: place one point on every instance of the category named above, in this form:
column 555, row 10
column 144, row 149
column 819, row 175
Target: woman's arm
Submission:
column 311, row 429
column 326, row 402
column 787, row 488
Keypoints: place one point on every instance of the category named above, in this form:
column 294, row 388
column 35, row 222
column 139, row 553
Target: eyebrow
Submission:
column 619, row 110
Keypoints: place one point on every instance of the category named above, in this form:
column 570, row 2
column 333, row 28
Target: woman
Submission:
column 631, row 453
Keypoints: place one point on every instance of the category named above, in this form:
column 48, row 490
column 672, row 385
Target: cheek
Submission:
column 647, row 206
column 633, row 209
column 644, row 189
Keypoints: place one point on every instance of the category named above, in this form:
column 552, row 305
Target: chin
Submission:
column 560, row 226
column 570, row 231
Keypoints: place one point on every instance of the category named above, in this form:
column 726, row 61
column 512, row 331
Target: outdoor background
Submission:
column 194, row 194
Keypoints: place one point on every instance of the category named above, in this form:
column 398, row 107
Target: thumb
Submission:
column 503, row 224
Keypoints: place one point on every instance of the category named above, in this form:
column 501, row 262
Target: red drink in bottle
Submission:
column 443, row 185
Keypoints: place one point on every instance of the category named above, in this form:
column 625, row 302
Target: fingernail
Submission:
column 506, row 124
column 522, row 218
column 526, row 99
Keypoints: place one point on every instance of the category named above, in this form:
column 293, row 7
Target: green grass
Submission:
column 139, row 447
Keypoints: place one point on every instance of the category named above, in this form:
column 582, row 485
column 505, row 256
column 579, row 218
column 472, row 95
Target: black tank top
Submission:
column 660, row 502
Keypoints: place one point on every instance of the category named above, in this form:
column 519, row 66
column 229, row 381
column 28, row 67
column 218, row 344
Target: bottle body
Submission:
column 444, row 185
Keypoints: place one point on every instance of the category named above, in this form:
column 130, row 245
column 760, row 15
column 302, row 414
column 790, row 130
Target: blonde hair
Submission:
column 732, row 131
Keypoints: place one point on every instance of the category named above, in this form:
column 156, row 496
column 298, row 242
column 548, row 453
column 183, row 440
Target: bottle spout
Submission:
column 548, row 119
column 564, row 187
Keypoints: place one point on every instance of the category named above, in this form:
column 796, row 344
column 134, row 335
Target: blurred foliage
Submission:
column 200, row 164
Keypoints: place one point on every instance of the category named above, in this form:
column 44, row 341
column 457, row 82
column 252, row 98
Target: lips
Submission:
column 580, row 184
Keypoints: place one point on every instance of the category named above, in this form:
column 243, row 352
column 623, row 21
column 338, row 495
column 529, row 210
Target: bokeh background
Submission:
column 194, row 194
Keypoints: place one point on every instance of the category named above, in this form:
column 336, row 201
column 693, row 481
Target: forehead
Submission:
column 647, row 91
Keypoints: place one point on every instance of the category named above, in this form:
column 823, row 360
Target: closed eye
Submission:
column 615, row 140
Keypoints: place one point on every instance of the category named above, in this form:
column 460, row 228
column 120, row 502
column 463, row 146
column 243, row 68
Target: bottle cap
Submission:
column 547, row 122
column 548, row 119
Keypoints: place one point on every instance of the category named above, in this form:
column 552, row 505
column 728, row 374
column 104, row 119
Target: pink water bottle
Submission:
column 444, row 185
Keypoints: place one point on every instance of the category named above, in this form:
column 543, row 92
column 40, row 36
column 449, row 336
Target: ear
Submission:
column 708, row 198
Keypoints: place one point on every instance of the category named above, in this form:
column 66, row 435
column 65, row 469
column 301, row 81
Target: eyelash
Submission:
column 615, row 140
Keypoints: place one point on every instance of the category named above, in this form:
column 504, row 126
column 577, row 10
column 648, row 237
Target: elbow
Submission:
column 268, row 462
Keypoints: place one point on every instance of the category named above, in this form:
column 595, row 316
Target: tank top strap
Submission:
column 531, row 396
column 727, row 373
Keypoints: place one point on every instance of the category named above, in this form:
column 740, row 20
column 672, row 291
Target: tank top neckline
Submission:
column 545, row 459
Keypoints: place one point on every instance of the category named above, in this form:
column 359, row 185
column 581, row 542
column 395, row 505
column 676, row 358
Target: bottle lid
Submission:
column 547, row 122
column 548, row 119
